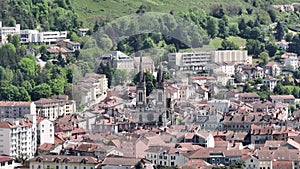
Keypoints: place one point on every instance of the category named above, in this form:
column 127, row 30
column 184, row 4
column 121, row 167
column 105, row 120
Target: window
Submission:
column 172, row 163
column 66, row 167
column 160, row 97
column 57, row 167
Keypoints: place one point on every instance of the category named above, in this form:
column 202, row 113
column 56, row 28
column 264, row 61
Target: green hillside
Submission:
column 92, row 10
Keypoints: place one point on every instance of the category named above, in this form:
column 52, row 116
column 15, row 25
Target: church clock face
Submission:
column 150, row 117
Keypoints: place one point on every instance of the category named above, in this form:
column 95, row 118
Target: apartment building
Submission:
column 49, row 37
column 91, row 89
column 63, row 162
column 5, row 31
column 291, row 61
column 236, row 56
column 18, row 138
column 189, row 61
column 197, row 60
column 45, row 131
column 16, row 109
column 54, row 108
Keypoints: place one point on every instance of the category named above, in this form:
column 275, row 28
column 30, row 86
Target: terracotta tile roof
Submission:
column 6, row 124
column 270, row 64
column 282, row 97
column 13, row 103
column 253, row 94
column 4, row 158
column 120, row 161
column 196, row 163
column 46, row 147
column 71, row 159
column 282, row 164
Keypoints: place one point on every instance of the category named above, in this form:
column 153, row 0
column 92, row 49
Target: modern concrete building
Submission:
column 189, row 61
column 5, row 31
column 197, row 60
column 236, row 56
column 34, row 36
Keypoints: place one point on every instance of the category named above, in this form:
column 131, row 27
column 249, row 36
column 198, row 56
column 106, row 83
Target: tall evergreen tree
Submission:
column 279, row 31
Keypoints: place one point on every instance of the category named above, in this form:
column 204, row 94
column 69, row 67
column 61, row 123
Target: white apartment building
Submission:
column 34, row 36
column 16, row 109
column 45, row 131
column 189, row 61
column 292, row 62
column 220, row 105
column 54, row 108
column 165, row 156
column 91, row 89
column 236, row 56
column 226, row 67
column 18, row 138
column 270, row 83
column 5, row 31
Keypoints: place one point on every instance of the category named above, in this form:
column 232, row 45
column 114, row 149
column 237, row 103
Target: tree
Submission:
column 279, row 31
column 27, row 66
column 289, row 37
column 139, row 165
column 254, row 47
column 223, row 29
column 15, row 40
column 41, row 91
column 264, row 56
column 212, row 27
column 271, row 48
column 233, row 29
column 229, row 45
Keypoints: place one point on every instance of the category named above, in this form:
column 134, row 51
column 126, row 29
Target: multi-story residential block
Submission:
column 189, row 61
column 204, row 139
column 220, row 105
column 91, row 89
column 291, row 61
column 260, row 134
column 63, row 162
column 270, row 83
column 54, row 108
column 7, row 162
column 290, row 99
column 235, row 56
column 118, row 60
column 5, row 31
column 18, row 138
column 272, row 69
column 249, row 97
column 16, row 109
column 165, row 156
column 45, row 131
column 34, row 36
column 225, row 67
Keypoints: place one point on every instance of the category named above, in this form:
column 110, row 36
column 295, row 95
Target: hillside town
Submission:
column 197, row 108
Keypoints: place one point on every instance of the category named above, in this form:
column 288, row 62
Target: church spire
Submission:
column 141, row 71
column 160, row 76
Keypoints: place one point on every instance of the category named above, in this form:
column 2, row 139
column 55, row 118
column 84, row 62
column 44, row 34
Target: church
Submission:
column 155, row 109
